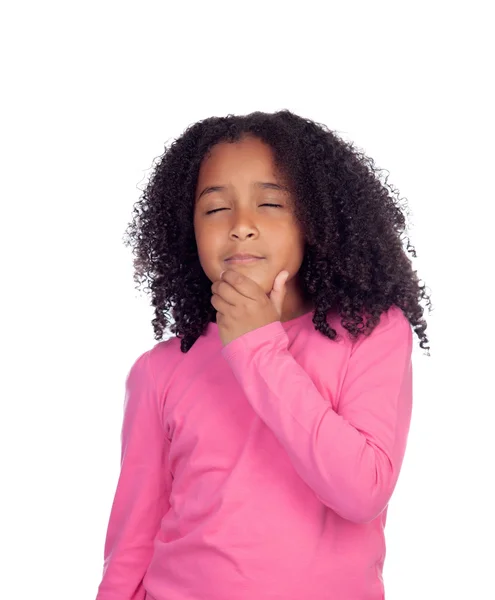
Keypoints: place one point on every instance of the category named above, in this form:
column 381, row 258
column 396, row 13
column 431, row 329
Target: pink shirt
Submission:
column 262, row 469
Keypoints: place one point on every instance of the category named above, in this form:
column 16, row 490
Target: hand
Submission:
column 242, row 305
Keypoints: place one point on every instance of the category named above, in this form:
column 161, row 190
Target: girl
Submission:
column 262, row 442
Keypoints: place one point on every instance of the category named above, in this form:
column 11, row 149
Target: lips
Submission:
column 243, row 258
column 240, row 256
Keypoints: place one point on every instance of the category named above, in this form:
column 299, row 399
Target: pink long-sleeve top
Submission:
column 261, row 469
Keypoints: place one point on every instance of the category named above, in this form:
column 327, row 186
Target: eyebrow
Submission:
column 265, row 185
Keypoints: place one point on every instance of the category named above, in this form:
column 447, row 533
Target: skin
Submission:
column 246, row 224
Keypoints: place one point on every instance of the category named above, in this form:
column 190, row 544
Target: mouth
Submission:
column 243, row 259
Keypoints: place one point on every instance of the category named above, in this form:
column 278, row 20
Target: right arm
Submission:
column 143, row 488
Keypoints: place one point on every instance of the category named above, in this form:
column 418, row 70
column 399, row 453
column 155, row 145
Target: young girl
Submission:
column 261, row 443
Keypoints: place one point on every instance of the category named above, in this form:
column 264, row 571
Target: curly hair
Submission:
column 354, row 261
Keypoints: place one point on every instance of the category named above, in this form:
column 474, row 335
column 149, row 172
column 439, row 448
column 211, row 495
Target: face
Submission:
column 242, row 206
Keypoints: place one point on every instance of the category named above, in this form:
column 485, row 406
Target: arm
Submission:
column 141, row 498
column 350, row 458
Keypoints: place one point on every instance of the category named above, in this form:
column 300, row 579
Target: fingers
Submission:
column 219, row 304
column 225, row 291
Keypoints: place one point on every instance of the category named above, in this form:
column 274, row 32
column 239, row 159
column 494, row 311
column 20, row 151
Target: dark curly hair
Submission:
column 353, row 262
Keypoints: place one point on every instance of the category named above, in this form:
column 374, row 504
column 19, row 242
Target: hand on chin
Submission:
column 263, row 279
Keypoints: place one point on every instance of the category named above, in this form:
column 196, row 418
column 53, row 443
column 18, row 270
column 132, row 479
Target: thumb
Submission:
column 278, row 292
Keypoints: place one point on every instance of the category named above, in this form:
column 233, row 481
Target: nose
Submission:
column 243, row 226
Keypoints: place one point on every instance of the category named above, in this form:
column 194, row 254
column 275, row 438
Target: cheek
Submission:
column 204, row 242
column 208, row 253
column 290, row 245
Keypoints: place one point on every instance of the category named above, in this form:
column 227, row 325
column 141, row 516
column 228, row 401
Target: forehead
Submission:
column 250, row 158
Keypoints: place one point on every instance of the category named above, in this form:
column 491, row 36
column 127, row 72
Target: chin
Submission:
column 262, row 279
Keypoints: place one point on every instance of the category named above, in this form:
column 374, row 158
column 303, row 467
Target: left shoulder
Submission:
column 392, row 327
column 393, row 330
column 393, row 318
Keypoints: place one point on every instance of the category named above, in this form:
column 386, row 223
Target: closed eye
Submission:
column 265, row 204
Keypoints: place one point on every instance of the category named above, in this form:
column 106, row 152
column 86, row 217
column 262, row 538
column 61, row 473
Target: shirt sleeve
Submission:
column 143, row 488
column 351, row 457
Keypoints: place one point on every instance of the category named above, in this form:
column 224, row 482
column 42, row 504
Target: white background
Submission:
column 91, row 93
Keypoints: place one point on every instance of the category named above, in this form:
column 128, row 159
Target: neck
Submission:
column 296, row 303
column 292, row 310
